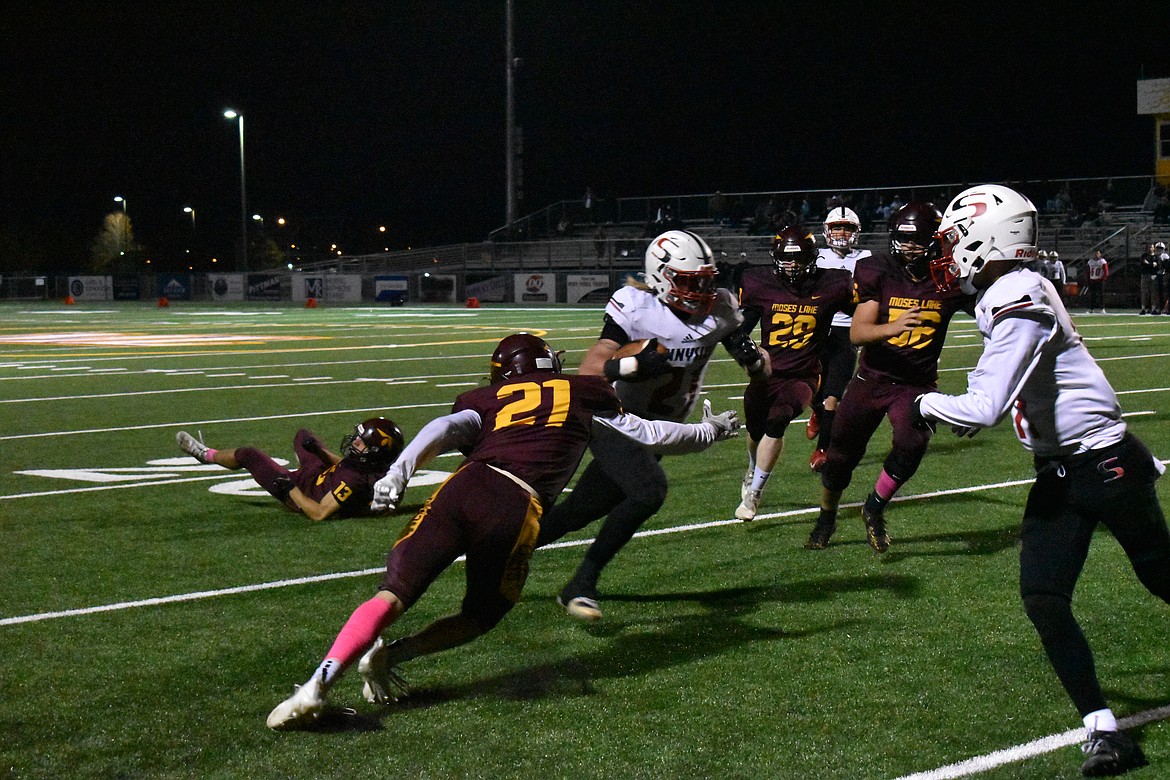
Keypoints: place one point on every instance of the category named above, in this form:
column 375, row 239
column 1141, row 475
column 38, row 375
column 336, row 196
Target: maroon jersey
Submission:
column 536, row 427
column 909, row 358
column 350, row 483
column 795, row 319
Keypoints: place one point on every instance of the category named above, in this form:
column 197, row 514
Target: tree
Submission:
column 114, row 249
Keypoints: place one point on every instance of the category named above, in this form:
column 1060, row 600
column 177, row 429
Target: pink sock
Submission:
column 886, row 486
column 210, row 455
column 359, row 632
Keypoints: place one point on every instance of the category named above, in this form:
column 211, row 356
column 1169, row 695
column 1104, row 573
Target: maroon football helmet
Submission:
column 383, row 441
column 912, row 237
column 794, row 250
column 522, row 353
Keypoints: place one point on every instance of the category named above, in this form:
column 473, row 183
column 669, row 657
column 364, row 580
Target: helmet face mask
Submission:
column 983, row 224
column 842, row 228
column 680, row 269
column 794, row 251
column 913, row 230
column 381, row 443
column 520, row 354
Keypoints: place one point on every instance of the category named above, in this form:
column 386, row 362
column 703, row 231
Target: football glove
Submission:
column 387, row 493
column 726, row 424
column 741, row 347
column 647, row 364
column 964, row 430
column 917, row 420
column 282, row 486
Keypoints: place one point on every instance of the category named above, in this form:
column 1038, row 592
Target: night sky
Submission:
column 366, row 114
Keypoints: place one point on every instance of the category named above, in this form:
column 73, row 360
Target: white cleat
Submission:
column 301, row 709
column 582, row 608
column 192, row 446
column 747, row 510
column 381, row 684
column 746, row 486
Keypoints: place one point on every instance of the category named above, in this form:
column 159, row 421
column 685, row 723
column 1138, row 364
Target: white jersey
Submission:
column 641, row 315
column 828, row 258
column 1035, row 365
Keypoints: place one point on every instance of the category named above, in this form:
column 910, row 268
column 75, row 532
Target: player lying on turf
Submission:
column 324, row 484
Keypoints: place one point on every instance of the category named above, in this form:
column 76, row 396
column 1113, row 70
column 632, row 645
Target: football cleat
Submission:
column 822, row 532
column 382, row 684
column 192, row 446
column 813, row 428
column 817, row 459
column 875, row 530
column 746, row 511
column 746, row 487
column 301, row 709
column 1110, row 753
column 581, row 607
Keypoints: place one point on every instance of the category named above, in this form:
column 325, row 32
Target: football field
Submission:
column 154, row 609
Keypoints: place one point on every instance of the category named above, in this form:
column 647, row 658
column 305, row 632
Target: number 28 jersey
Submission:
column 909, row 358
column 795, row 319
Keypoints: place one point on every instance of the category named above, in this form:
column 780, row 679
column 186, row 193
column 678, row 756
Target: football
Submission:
column 634, row 347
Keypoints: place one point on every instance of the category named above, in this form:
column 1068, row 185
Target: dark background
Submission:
column 359, row 115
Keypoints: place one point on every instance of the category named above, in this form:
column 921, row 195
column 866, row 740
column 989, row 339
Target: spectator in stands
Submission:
column 600, row 241
column 589, row 201
column 1098, row 269
column 717, row 208
column 1149, row 266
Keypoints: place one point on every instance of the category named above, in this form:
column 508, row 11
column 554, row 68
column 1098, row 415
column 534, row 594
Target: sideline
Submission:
column 205, row 594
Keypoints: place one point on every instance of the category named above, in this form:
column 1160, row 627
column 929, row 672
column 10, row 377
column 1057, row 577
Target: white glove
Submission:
column 387, row 492
column 726, row 423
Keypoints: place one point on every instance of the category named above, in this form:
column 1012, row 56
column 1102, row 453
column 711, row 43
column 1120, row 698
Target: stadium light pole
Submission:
column 120, row 199
column 509, row 122
column 231, row 113
column 191, row 211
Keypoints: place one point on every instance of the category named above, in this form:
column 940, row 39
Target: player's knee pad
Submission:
column 486, row 613
column 901, row 464
column 1050, row 613
column 776, row 426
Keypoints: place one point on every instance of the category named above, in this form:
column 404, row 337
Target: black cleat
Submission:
column 875, row 530
column 821, row 533
column 1110, row 753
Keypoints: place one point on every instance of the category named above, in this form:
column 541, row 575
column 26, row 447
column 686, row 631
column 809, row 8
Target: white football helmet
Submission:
column 680, row 269
column 1041, row 255
column 983, row 224
column 1054, row 255
column 842, row 218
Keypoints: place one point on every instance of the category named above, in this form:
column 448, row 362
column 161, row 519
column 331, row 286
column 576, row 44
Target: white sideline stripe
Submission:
column 189, row 423
column 1036, row 747
column 204, row 594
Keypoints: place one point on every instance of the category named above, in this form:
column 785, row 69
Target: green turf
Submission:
column 726, row 650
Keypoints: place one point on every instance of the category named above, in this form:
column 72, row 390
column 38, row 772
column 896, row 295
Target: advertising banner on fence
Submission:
column 226, row 287
column 337, row 288
column 494, row 290
column 437, row 288
column 175, row 287
column 394, row 290
column 127, row 288
column 91, row 288
column 535, row 288
column 587, row 288
column 263, row 287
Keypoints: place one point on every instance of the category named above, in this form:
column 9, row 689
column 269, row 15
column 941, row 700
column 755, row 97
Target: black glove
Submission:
column 282, row 486
column 741, row 347
column 647, row 364
column 918, row 421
